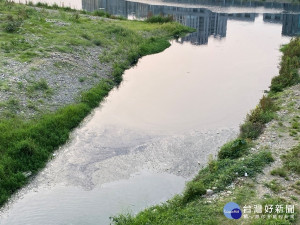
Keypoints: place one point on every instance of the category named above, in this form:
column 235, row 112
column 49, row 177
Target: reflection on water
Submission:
column 224, row 4
column 290, row 22
column 206, row 22
column 74, row 4
column 218, row 5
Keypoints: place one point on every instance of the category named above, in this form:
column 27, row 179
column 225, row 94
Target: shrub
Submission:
column 193, row 189
column 291, row 160
column 101, row 13
column 23, row 14
column 264, row 112
column 274, row 186
column 13, row 103
column 75, row 17
column 25, row 148
column 266, row 103
column 284, row 80
column 82, row 79
column 96, row 94
column 153, row 45
column 212, row 164
column 12, row 25
column 258, row 115
column 117, row 72
column 295, row 125
column 86, row 36
column 251, row 130
column 225, row 171
column 233, row 149
column 256, row 120
column 41, row 85
column 69, row 9
column 97, row 42
column 42, row 5
column 159, row 19
column 279, row 172
column 16, row 44
column 55, row 6
column 288, row 73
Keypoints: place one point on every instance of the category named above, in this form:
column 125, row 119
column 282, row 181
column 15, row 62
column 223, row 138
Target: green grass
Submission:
column 35, row 88
column 159, row 19
column 40, row 85
column 233, row 149
column 279, row 172
column 292, row 159
column 294, row 198
column 274, row 186
column 40, row 33
column 82, row 79
column 296, row 187
column 295, row 127
column 288, row 74
column 220, row 173
column 12, row 24
column 257, row 118
column 26, row 145
column 4, row 85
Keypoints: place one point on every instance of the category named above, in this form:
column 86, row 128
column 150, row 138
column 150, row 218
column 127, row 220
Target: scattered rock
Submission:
column 209, row 192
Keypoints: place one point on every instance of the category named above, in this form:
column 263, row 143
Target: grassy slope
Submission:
column 234, row 159
column 24, row 35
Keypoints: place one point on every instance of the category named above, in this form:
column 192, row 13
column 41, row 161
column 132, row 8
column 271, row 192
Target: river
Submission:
column 171, row 114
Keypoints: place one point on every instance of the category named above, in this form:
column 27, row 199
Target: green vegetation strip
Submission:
column 204, row 213
column 26, row 145
column 220, row 173
column 288, row 76
column 234, row 160
column 292, row 160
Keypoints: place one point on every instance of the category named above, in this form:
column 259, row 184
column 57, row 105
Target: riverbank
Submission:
column 261, row 167
column 56, row 66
